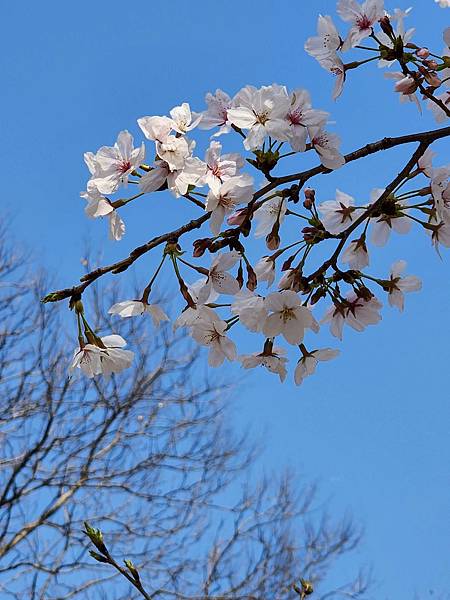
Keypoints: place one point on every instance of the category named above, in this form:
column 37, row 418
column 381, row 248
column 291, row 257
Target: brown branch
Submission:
column 384, row 144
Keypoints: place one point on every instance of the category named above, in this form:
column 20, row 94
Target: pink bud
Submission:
column 423, row 53
column 238, row 217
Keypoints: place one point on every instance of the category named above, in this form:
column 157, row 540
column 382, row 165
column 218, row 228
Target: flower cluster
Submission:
column 276, row 296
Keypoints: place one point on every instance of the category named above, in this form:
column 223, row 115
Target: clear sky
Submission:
column 373, row 425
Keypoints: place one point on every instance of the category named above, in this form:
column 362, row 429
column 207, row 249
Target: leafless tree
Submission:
column 150, row 458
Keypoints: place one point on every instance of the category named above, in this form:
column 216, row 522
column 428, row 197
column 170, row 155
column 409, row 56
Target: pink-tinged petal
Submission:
column 228, row 348
column 114, row 341
column 293, row 331
column 157, row 314
column 125, row 144
column 227, row 260
column 155, row 128
column 326, row 354
column 398, row 267
column 128, row 308
column 224, row 283
column 204, row 292
column 397, row 299
column 215, row 357
column 380, row 233
column 273, row 325
column 411, row 283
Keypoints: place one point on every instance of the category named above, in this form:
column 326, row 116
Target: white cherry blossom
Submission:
column 223, row 200
column 155, row 128
column 216, row 114
column 398, row 284
column 212, row 334
column 265, row 270
column 337, row 215
column 386, row 222
column 219, row 279
column 362, row 17
column 113, row 358
column 220, row 167
column 116, row 226
column 270, row 358
column 327, row 40
column 251, row 310
column 438, row 113
column 183, row 120
column 333, row 64
column 356, row 255
column 288, row 317
column 261, row 112
column 174, row 151
column 87, row 359
column 111, row 166
column 357, row 313
column 132, row 308
column 309, row 361
column 301, row 115
column 268, row 214
column 327, row 147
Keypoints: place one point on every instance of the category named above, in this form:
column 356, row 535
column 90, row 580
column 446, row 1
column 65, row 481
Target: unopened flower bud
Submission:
column 431, row 78
column 310, row 196
column 273, row 241
column 252, row 280
column 431, row 64
column 423, row 53
column 240, row 276
column 200, row 246
column 386, row 26
column 238, row 217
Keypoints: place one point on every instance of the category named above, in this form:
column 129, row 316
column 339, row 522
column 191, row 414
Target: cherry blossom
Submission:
column 111, row 166
column 406, row 86
column 356, row 255
column 112, row 357
column 362, row 17
column 87, row 359
column 326, row 42
column 355, row 312
column 307, row 364
column 212, row 334
column 265, row 270
column 271, row 212
column 223, row 200
column 182, row 118
column 271, row 358
column 334, row 65
column 262, row 112
column 216, row 114
column 397, row 285
column 392, row 216
column 338, row 214
column 301, row 115
column 132, row 308
column 440, row 192
column 220, row 167
column 443, row 3
column 219, row 279
column 251, row 309
column 327, row 147
column 288, row 317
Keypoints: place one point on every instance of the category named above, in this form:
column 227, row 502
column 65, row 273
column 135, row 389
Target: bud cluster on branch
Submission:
column 273, row 123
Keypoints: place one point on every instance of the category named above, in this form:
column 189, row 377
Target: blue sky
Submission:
column 373, row 425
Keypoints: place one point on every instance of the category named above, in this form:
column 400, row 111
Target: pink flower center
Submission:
column 124, row 166
column 363, row 22
column 295, row 117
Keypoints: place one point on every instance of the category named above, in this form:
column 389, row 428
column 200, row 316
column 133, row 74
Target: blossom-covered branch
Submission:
column 272, row 124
